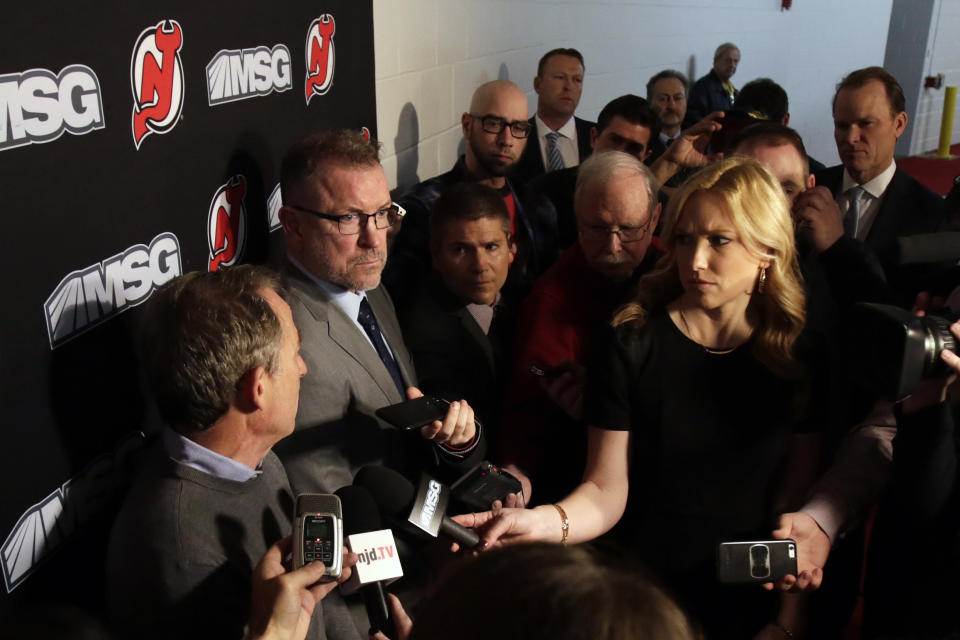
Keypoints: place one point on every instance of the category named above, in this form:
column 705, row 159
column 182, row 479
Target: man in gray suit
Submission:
column 336, row 214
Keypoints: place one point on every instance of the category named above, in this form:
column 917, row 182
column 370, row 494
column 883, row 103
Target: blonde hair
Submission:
column 758, row 210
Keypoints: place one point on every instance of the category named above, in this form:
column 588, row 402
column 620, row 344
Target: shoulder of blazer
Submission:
column 307, row 293
column 584, row 127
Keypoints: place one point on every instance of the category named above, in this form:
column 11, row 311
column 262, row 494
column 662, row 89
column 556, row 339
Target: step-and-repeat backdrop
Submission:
column 138, row 141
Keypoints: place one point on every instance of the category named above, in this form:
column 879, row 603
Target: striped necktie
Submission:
column 554, row 159
column 851, row 221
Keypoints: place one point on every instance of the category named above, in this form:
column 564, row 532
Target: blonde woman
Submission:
column 697, row 401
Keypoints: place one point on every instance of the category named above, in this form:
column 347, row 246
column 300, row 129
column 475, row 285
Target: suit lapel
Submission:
column 344, row 333
column 390, row 328
column 887, row 221
column 476, row 333
column 583, row 138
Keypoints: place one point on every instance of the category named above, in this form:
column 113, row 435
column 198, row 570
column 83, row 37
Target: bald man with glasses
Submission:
column 496, row 131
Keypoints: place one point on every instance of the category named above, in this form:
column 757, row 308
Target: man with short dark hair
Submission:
column 560, row 139
column 496, row 132
column 764, row 100
column 221, row 353
column 457, row 326
column 714, row 91
column 617, row 211
column 878, row 201
column 625, row 124
column 335, row 215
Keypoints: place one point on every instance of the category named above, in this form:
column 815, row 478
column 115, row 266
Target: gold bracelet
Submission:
column 564, row 523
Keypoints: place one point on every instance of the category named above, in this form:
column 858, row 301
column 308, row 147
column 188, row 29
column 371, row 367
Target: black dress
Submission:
column 709, row 434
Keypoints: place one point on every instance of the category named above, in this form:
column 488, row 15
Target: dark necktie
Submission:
column 369, row 323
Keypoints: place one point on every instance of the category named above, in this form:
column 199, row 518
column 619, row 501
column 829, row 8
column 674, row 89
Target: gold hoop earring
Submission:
column 762, row 281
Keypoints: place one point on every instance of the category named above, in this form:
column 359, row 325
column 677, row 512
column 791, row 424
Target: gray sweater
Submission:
column 183, row 548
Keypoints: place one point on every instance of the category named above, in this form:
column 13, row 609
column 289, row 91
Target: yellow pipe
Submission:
column 946, row 122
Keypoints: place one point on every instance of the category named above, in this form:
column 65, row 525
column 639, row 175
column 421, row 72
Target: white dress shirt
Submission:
column 871, row 199
column 566, row 143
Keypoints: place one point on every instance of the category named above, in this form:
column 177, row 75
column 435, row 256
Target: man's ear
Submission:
column 289, row 221
column 786, row 119
column 466, row 121
column 811, row 181
column 594, row 134
column 252, row 390
column 536, row 84
column 655, row 217
column 900, row 123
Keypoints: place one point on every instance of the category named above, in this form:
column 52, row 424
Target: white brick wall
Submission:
column 432, row 54
column 943, row 56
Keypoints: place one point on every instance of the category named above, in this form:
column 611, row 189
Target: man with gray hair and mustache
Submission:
column 616, row 208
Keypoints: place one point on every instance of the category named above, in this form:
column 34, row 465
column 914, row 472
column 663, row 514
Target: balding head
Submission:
column 490, row 155
column 496, row 91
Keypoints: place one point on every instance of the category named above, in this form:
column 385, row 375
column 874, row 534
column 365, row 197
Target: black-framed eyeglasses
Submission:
column 597, row 232
column 350, row 224
column 495, row 124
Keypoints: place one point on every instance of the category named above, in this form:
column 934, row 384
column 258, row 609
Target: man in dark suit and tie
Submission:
column 457, row 325
column 562, row 139
column 335, row 217
column 878, row 201
column 625, row 124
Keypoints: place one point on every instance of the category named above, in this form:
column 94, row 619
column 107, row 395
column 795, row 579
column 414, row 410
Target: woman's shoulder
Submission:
column 641, row 337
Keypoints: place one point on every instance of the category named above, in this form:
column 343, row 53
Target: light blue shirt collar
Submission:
column 346, row 300
column 186, row 451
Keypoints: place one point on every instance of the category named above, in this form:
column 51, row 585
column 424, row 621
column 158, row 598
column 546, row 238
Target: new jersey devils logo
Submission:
column 227, row 223
column 319, row 56
column 156, row 78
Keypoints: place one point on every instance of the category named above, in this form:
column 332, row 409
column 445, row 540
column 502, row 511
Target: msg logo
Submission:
column 37, row 106
column 90, row 296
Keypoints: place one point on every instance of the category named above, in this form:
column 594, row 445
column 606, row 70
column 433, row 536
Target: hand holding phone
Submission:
column 318, row 533
column 414, row 414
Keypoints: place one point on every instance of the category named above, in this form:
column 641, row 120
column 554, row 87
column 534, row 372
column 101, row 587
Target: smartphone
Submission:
column 318, row 533
column 756, row 561
column 551, row 372
column 415, row 413
column 484, row 484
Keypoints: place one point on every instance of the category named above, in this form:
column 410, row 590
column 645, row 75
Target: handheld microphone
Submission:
column 424, row 507
column 360, row 515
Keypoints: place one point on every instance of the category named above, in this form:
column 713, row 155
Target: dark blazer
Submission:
column 530, row 164
column 454, row 357
column 337, row 431
column 907, row 208
column 560, row 187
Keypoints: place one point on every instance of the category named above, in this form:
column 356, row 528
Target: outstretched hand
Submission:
column 510, row 526
column 813, row 547
column 690, row 149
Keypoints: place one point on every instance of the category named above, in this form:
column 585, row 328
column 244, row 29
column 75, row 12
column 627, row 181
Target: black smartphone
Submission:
column 415, row 413
column 484, row 484
column 756, row 561
column 549, row 372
